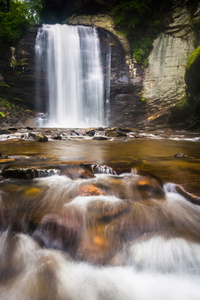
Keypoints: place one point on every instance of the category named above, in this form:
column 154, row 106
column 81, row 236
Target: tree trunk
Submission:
column 8, row 5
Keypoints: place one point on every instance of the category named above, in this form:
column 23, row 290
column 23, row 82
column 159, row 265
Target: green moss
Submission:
column 18, row 99
column 2, row 114
column 4, row 85
column 192, row 80
column 193, row 58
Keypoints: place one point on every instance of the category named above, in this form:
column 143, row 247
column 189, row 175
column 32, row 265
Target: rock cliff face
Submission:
column 126, row 107
column 164, row 84
column 148, row 94
column 17, row 74
column 192, row 79
column 139, row 95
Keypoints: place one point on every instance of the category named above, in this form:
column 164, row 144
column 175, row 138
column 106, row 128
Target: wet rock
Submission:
column 77, row 171
column 29, row 128
column 48, row 131
column 106, row 212
column 12, row 129
column 100, row 129
column 90, row 132
column 102, row 169
column 32, row 136
column 150, row 188
column 47, row 172
column 21, row 173
column 4, row 131
column 126, row 129
column 29, row 173
column 95, row 246
column 17, row 220
column 180, row 155
column 39, row 138
column 115, row 133
column 100, row 138
column 57, row 137
column 60, row 231
column 190, row 197
column 74, row 133
column 42, row 138
column 6, row 160
column 90, row 190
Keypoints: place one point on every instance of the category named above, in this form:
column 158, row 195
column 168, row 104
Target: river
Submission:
column 117, row 218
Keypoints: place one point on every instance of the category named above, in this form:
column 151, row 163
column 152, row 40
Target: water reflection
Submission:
column 153, row 156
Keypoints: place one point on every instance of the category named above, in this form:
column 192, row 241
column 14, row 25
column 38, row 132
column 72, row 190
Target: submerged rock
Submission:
column 100, row 138
column 76, row 171
column 180, row 155
column 60, row 231
column 115, row 132
column 57, row 137
column 29, row 173
column 90, row 190
column 4, row 131
column 91, row 132
column 39, row 138
column 102, row 169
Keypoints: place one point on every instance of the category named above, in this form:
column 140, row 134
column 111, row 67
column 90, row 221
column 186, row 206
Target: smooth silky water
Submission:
column 69, row 57
column 125, row 235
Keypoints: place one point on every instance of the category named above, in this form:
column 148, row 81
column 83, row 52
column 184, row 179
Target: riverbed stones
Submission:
column 100, row 138
column 60, row 231
column 29, row 173
column 57, row 137
column 180, row 155
column 38, row 138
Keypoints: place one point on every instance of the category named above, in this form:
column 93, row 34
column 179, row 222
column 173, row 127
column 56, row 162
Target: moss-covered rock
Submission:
column 192, row 79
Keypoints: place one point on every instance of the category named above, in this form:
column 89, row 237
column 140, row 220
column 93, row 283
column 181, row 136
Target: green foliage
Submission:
column 33, row 8
column 192, row 79
column 128, row 13
column 13, row 23
column 4, row 85
column 2, row 114
column 140, row 20
column 18, row 99
column 141, row 49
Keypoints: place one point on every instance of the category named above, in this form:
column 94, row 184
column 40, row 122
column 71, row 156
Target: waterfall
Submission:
column 69, row 57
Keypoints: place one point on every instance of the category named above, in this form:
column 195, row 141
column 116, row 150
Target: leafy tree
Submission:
column 129, row 13
column 33, row 8
column 15, row 18
column 140, row 21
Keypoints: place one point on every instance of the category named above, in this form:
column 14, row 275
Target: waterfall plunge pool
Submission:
column 100, row 219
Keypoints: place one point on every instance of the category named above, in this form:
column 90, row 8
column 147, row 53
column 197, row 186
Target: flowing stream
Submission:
column 70, row 58
column 102, row 220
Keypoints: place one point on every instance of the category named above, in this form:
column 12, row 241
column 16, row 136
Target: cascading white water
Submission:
column 71, row 58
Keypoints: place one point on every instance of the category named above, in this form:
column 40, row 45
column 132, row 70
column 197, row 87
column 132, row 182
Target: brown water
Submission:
column 155, row 156
column 79, row 234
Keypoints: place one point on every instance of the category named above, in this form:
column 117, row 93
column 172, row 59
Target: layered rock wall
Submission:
column 164, row 84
